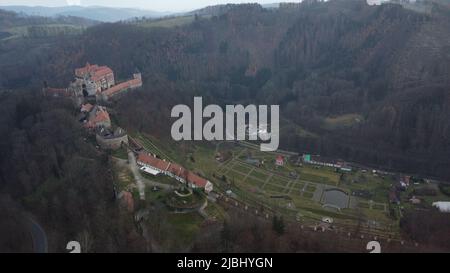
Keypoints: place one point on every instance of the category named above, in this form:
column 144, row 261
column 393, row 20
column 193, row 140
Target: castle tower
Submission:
column 137, row 76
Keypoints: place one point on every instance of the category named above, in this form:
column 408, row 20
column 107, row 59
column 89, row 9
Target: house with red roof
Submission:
column 155, row 166
column 279, row 161
column 151, row 164
column 98, row 117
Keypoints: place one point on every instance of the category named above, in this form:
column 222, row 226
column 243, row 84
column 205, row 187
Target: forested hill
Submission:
column 365, row 83
column 13, row 19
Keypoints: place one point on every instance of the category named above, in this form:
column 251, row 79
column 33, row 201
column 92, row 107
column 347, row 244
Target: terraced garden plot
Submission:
column 308, row 195
column 363, row 205
column 298, row 186
column 296, row 192
column 378, row 207
column 241, row 168
column 260, row 175
column 317, row 179
column 253, row 182
column 225, row 167
column 310, row 188
column 279, row 181
column 238, row 177
column 273, row 188
column 322, row 175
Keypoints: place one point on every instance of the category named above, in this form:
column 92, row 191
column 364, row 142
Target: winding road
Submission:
column 40, row 244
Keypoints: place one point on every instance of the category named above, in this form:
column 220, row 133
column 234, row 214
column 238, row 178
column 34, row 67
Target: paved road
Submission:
column 137, row 176
column 39, row 237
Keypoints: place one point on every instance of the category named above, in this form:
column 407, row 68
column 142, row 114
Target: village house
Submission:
column 98, row 117
column 405, row 181
column 154, row 166
column 394, row 196
column 279, row 161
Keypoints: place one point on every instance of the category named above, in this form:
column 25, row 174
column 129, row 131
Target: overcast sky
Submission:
column 158, row 5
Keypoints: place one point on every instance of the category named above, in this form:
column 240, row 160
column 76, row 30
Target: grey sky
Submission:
column 157, row 5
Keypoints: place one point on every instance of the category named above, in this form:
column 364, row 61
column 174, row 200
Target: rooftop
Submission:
column 95, row 71
column 173, row 168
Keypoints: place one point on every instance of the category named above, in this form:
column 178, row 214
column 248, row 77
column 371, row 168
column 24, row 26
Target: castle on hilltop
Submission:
column 99, row 82
column 94, row 81
column 92, row 86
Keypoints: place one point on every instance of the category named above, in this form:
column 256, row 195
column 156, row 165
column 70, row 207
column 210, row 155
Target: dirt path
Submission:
column 137, row 176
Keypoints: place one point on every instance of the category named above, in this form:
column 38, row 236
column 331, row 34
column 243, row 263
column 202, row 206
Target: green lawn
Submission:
column 282, row 182
column 242, row 168
column 321, row 175
column 45, row 30
column 311, row 188
column 259, row 174
column 184, row 227
column 121, row 153
column 308, row 194
column 232, row 175
column 253, row 182
column 273, row 189
column 342, row 121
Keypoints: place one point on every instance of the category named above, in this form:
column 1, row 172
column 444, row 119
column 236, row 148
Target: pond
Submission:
column 335, row 198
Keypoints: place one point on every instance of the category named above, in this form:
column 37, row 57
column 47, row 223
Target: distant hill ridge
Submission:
column 98, row 13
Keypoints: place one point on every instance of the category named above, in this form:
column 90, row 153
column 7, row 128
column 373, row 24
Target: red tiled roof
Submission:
column 173, row 168
column 153, row 161
column 196, row 180
column 100, row 115
column 86, row 69
column 177, row 170
column 122, row 86
column 100, row 73
column 86, row 107
column 97, row 72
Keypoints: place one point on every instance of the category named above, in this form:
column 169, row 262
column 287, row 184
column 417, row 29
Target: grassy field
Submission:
column 38, row 31
column 121, row 153
column 321, row 175
column 343, row 121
